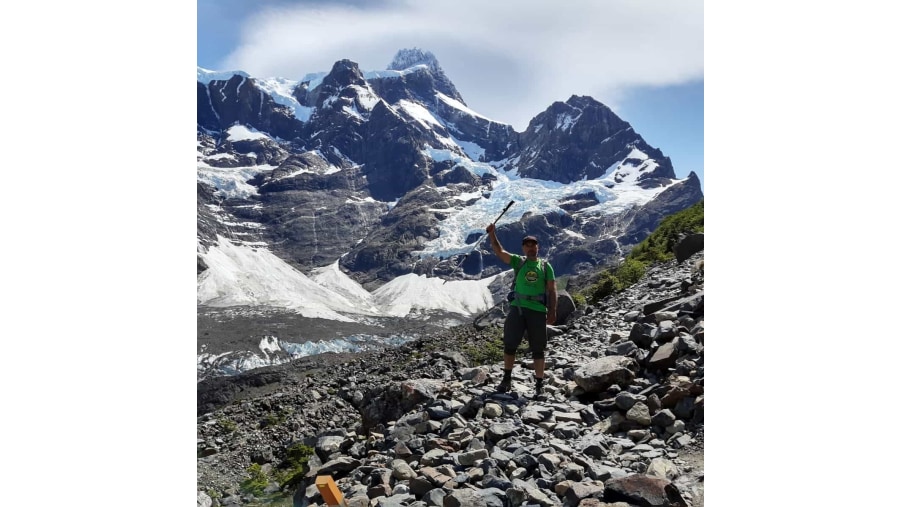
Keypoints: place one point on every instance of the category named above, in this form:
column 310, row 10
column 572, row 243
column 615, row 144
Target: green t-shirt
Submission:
column 531, row 281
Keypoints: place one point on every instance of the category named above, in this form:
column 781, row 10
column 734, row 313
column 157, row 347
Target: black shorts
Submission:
column 517, row 322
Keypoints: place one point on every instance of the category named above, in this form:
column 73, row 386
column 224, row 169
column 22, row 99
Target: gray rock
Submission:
column 397, row 500
column 469, row 458
column 493, row 410
column 565, row 306
column 639, row 413
column 493, row 481
column 435, row 497
column 341, row 464
column 664, row 357
column 464, row 498
column 626, row 400
column 203, row 500
column 326, row 445
column 643, row 490
column 662, row 468
column 667, row 331
column 684, row 409
column 550, row 461
column 663, row 418
column 454, row 356
column 401, row 470
column 500, row 455
column 516, row 495
column 477, row 376
column 582, row 490
column 642, row 335
column 532, row 493
column 501, row 430
column 599, row 374
column 660, row 317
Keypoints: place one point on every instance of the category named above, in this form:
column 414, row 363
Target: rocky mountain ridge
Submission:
column 372, row 168
column 621, row 423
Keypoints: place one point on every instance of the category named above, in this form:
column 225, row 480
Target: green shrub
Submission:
column 604, row 287
column 257, row 481
column 294, row 466
column 491, row 350
column 657, row 247
column 629, row 273
column 580, row 300
column 624, row 276
column 274, row 419
column 488, row 352
column 228, row 425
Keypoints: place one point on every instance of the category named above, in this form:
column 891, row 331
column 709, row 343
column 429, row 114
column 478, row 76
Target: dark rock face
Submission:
column 355, row 177
column 498, row 140
column 343, row 75
column 394, row 165
column 676, row 198
column 208, row 225
column 426, row 80
column 387, row 250
column 688, row 246
column 582, row 138
column 221, row 104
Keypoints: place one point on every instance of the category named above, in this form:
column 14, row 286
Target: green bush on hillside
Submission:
column 257, row 481
column 579, row 299
column 490, row 351
column 295, row 465
column 657, row 247
column 618, row 280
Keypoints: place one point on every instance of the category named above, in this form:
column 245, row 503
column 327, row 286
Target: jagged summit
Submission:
column 344, row 73
column 585, row 101
column 422, row 82
column 406, row 58
column 401, row 173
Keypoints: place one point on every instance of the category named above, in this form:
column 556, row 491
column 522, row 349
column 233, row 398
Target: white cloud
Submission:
column 509, row 59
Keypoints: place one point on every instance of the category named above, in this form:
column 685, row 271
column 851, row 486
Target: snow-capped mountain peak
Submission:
column 406, row 58
column 350, row 196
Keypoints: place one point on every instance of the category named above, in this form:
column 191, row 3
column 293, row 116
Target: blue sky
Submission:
column 509, row 59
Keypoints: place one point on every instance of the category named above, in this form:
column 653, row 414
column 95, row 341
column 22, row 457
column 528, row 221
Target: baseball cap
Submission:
column 530, row 238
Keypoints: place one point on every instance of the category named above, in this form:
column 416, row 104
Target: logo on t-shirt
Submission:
column 531, row 276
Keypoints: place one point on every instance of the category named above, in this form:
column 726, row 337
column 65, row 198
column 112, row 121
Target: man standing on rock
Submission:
column 532, row 307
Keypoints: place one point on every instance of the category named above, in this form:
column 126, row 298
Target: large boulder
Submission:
column 688, row 246
column 643, row 490
column 565, row 306
column 598, row 375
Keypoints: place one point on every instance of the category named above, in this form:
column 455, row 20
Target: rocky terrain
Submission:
column 620, row 422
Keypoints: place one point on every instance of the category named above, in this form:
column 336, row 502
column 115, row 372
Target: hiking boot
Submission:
column 538, row 390
column 504, row 385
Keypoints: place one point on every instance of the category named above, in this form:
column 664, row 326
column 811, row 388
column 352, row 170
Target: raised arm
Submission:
column 496, row 246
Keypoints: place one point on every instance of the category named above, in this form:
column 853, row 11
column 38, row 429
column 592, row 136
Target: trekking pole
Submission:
column 478, row 242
